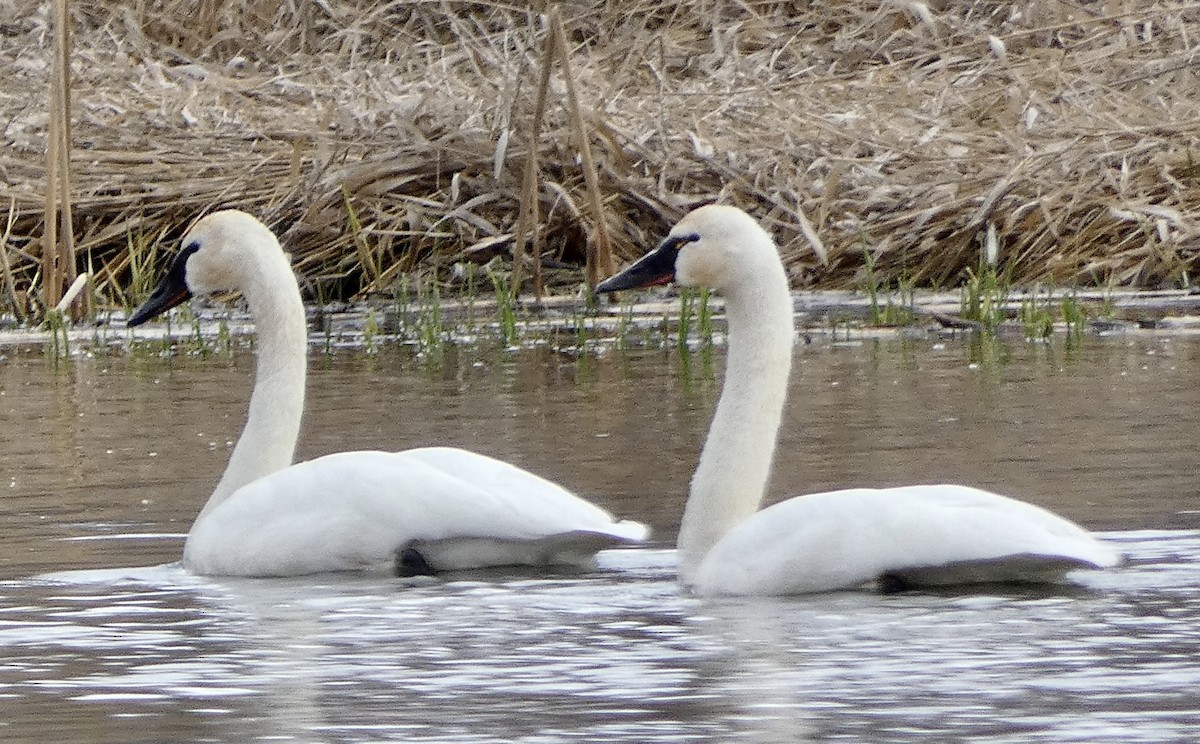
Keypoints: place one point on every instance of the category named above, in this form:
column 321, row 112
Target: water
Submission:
column 107, row 459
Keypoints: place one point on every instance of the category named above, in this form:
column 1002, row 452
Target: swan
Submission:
column 421, row 510
column 894, row 538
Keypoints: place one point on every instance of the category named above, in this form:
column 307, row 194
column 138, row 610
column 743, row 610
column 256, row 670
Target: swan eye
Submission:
column 180, row 264
column 679, row 241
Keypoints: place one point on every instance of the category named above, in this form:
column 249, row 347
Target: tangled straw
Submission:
column 387, row 137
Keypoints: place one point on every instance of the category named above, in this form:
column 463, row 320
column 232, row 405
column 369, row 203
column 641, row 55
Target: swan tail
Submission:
column 576, row 548
column 1010, row 569
column 628, row 531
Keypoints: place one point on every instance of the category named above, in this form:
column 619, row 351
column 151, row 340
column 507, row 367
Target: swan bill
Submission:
column 655, row 268
column 172, row 290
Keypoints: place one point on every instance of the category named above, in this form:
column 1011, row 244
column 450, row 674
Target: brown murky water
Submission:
column 105, row 460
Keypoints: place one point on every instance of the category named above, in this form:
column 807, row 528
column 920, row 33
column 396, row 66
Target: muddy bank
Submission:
column 646, row 319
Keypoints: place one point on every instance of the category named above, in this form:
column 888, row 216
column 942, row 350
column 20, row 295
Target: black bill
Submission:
column 172, row 290
column 656, row 267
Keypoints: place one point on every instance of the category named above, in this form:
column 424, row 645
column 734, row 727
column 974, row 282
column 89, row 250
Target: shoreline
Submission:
column 840, row 314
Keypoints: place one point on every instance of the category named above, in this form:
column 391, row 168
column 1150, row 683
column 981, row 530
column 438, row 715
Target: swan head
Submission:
column 218, row 254
column 715, row 246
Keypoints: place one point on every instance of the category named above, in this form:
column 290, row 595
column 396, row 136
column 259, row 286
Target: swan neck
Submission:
column 735, row 464
column 268, row 440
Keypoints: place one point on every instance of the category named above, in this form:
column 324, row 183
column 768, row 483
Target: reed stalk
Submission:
column 60, row 342
column 224, row 339
column 430, row 322
column 985, row 296
column 402, row 304
column 599, row 250
column 687, row 315
column 1035, row 315
column 51, row 283
column 6, row 266
column 873, row 283
column 366, row 259
column 527, row 212
column 705, row 316
column 1074, row 315
column 624, row 321
column 58, row 261
column 141, row 256
column 371, row 333
column 472, row 298
column 66, row 230
column 506, row 308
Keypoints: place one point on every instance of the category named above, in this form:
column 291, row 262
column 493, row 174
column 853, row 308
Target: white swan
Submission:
column 898, row 537
column 429, row 509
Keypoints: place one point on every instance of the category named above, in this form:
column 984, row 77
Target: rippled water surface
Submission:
column 104, row 461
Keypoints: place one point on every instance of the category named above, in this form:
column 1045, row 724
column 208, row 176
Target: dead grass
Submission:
column 1071, row 129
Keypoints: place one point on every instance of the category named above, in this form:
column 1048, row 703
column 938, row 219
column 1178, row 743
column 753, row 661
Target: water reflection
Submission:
column 115, row 455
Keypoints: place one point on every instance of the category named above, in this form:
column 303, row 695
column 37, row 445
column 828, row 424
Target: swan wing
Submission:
column 356, row 509
column 916, row 535
column 534, row 491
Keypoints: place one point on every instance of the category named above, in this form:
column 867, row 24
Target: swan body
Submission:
column 354, row 510
column 924, row 535
column 421, row 510
column 910, row 536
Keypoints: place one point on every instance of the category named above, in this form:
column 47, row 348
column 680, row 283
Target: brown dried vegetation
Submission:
column 903, row 128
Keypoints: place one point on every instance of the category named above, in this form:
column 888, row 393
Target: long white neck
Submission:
column 735, row 464
column 268, row 440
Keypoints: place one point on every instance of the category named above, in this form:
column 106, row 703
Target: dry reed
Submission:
column 58, row 240
column 10, row 284
column 907, row 129
column 528, row 212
